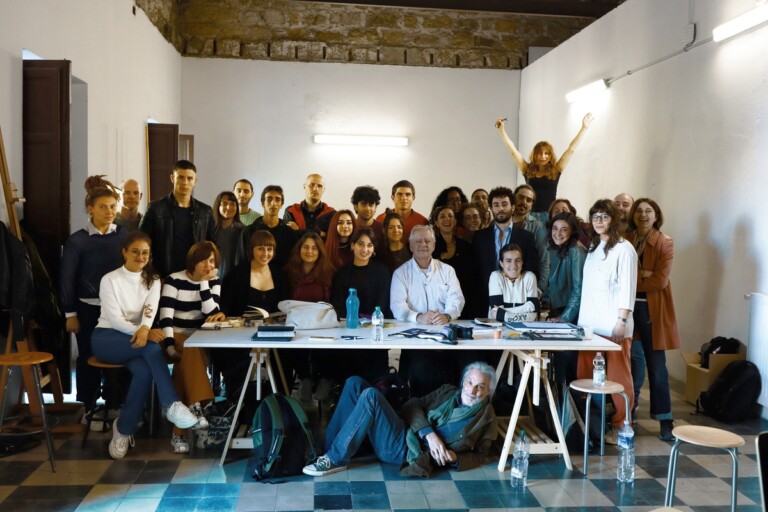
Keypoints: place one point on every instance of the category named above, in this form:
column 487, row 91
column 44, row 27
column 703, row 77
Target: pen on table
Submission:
column 351, row 337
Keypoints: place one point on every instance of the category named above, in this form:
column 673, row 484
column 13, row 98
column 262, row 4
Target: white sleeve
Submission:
column 454, row 300
column 111, row 306
column 150, row 304
column 627, row 276
column 398, row 297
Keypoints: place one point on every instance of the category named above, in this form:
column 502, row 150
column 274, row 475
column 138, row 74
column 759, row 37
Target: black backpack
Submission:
column 733, row 394
column 282, row 441
column 718, row 345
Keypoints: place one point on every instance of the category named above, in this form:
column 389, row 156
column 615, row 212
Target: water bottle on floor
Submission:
column 377, row 326
column 626, row 470
column 519, row 475
column 353, row 309
column 598, row 374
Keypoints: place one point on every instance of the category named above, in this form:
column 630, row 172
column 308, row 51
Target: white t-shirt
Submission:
column 126, row 303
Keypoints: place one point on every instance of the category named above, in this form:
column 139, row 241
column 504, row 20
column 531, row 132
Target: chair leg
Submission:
column 734, row 478
column 586, row 434
column 5, row 396
column 602, row 425
column 46, row 427
column 669, row 498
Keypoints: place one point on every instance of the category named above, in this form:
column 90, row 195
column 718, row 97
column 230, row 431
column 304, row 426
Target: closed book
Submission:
column 274, row 334
column 256, row 337
column 276, row 328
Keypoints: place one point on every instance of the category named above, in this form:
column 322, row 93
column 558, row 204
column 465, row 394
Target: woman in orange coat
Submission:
column 655, row 320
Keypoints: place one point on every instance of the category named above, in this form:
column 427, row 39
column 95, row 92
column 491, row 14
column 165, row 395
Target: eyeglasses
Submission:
column 600, row 217
column 137, row 253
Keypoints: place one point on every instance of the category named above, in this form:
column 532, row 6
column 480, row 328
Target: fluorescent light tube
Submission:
column 588, row 90
column 360, row 140
column 737, row 25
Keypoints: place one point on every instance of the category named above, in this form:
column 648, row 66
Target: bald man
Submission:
column 623, row 203
column 312, row 214
column 129, row 215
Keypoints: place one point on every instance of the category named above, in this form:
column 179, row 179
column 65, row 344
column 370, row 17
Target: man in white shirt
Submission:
column 423, row 289
column 426, row 291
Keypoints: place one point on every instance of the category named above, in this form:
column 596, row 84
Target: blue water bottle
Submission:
column 353, row 308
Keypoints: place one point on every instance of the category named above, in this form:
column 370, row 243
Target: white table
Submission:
column 527, row 351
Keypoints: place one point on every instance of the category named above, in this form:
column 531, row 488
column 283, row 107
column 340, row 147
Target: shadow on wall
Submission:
column 697, row 280
column 739, row 279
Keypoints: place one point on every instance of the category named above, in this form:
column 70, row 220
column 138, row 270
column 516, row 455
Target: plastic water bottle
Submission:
column 353, row 308
column 519, row 474
column 377, row 326
column 626, row 470
column 598, row 374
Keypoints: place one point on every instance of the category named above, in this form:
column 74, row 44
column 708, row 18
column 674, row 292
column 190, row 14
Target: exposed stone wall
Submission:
column 328, row 32
column 165, row 16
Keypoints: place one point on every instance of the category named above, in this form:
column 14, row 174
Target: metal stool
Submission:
column 33, row 359
column 703, row 436
column 588, row 387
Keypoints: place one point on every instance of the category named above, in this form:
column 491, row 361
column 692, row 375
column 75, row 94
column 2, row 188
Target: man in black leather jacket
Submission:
column 177, row 221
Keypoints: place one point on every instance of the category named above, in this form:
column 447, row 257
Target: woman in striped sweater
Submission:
column 190, row 298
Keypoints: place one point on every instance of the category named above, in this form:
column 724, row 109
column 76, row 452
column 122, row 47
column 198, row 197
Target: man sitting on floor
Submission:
column 449, row 427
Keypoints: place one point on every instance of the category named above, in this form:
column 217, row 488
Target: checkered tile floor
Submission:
column 152, row 477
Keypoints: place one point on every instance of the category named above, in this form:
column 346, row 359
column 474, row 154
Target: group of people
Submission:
column 502, row 253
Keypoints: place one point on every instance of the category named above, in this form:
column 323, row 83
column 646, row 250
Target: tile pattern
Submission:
column 152, row 477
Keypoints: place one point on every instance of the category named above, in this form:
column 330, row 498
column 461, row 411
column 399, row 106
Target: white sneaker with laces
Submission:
column 322, row 466
column 119, row 444
column 197, row 410
column 180, row 444
column 180, row 415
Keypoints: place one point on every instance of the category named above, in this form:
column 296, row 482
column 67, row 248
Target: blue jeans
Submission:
column 87, row 378
column 364, row 411
column 145, row 364
column 644, row 355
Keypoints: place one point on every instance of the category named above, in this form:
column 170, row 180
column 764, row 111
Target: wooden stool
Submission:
column 588, row 387
column 33, row 359
column 108, row 368
column 703, row 436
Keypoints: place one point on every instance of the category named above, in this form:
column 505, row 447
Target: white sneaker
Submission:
column 180, row 415
column 180, row 444
column 119, row 444
column 197, row 410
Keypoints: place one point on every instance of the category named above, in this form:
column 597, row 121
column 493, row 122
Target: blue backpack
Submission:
column 282, row 441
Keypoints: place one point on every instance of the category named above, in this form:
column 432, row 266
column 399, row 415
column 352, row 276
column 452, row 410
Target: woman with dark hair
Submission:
column 124, row 335
column 258, row 282
column 190, row 298
column 309, row 274
column 226, row 218
column 395, row 250
column 371, row 280
column 309, row 270
column 470, row 219
column 562, row 205
column 543, row 169
column 513, row 294
column 452, row 197
column 480, row 196
column 88, row 255
column 566, row 264
column 451, row 249
column 607, row 300
column 340, row 230
column 655, row 319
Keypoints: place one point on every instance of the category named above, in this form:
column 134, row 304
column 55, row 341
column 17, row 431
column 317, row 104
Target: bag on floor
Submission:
column 394, row 389
column 282, row 441
column 733, row 394
column 718, row 345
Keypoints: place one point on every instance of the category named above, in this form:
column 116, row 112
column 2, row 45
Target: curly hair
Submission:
column 148, row 274
column 573, row 223
column 614, row 235
column 97, row 187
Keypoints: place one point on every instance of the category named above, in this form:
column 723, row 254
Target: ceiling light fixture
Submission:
column 746, row 21
column 360, row 140
column 588, row 90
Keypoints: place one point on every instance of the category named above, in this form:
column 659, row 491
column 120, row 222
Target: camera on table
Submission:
column 458, row 332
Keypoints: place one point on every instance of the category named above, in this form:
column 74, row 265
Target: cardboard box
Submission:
column 698, row 379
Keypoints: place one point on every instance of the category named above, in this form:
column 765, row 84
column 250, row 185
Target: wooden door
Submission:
column 46, row 138
column 162, row 154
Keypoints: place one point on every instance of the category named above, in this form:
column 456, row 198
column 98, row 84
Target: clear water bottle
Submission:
column 626, row 470
column 353, row 310
column 377, row 326
column 598, row 374
column 519, row 474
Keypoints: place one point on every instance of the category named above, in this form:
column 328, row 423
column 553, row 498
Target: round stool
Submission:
column 609, row 388
column 33, row 359
column 107, row 368
column 708, row 437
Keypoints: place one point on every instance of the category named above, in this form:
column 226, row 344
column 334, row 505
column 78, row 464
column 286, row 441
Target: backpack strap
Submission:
column 302, row 417
column 277, row 431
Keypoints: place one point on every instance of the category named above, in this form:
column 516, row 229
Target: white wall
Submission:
column 688, row 132
column 131, row 72
column 256, row 119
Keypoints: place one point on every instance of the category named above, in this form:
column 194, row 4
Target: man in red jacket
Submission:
column 312, row 214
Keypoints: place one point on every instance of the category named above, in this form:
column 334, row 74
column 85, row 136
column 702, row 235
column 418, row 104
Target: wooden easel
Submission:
column 24, row 345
